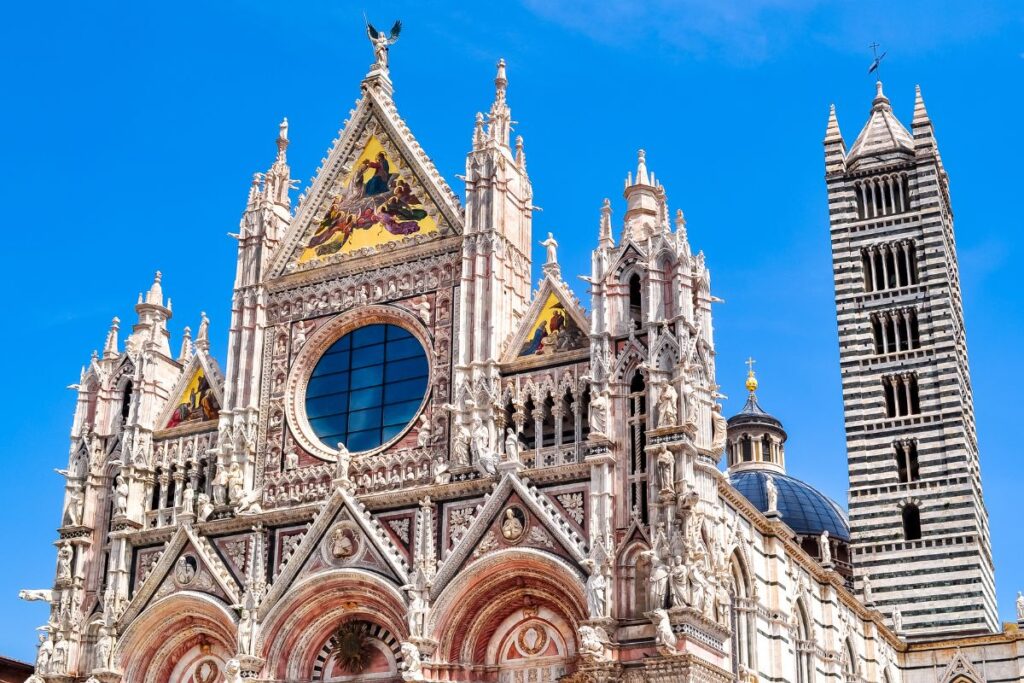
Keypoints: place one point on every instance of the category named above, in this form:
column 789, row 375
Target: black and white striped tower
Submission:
column 918, row 521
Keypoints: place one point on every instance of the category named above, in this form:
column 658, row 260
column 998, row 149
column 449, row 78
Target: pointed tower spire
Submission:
column 921, row 126
column 681, row 236
column 643, row 205
column 279, row 178
column 605, row 239
column 500, row 119
column 110, row 347
column 883, row 134
column 835, row 147
column 185, row 355
column 155, row 295
column 203, row 336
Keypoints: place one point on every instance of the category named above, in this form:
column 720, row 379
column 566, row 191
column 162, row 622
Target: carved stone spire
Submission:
column 835, row 147
column 185, row 355
column 110, row 347
column 500, row 120
column 605, row 239
column 278, row 178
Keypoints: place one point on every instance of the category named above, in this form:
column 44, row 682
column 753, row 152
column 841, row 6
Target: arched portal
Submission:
column 184, row 638
column 510, row 616
column 297, row 631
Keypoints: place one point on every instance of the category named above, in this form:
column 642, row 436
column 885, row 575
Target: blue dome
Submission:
column 806, row 510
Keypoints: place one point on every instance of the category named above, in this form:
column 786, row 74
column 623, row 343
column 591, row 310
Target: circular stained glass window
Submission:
column 367, row 387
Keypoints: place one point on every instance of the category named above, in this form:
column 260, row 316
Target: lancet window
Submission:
column 901, row 395
column 895, row 330
column 907, row 466
column 882, row 196
column 637, row 427
column 889, row 265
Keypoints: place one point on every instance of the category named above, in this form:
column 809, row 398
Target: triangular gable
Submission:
column 629, row 253
column 208, row 574
column 198, row 395
column 960, row 668
column 554, row 323
column 398, row 198
column 556, row 529
column 341, row 513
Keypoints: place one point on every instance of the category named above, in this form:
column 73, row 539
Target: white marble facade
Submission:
column 548, row 506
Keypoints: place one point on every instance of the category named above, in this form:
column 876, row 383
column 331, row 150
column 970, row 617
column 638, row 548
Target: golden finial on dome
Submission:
column 751, row 379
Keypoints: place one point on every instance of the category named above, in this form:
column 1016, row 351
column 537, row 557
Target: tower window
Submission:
column 882, row 196
column 895, row 330
column 126, row 402
column 638, row 445
column 907, row 466
column 900, row 395
column 635, row 302
column 911, row 522
column 889, row 265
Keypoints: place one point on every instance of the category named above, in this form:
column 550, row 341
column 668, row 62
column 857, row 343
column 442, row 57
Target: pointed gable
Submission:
column 376, row 190
column 197, row 396
column 554, row 323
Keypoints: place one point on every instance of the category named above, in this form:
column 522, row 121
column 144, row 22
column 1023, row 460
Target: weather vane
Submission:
column 382, row 42
column 877, row 61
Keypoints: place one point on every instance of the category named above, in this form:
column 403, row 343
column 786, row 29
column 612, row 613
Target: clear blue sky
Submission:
column 132, row 131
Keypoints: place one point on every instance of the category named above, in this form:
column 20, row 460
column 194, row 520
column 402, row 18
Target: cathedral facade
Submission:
column 421, row 464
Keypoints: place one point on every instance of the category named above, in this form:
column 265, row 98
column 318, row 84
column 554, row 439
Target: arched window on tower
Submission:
column 635, row 302
column 126, row 402
column 911, row 522
column 638, row 445
column 907, row 466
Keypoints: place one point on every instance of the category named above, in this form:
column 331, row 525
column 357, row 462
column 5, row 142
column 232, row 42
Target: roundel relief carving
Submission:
column 531, row 640
column 343, row 543
column 513, row 524
column 185, row 570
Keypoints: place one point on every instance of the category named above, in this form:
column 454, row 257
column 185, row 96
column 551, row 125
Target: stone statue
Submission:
column 246, row 632
column 220, row 486
column 44, row 654
column 291, row 459
column 668, row 406
column 423, row 309
column 120, row 496
column 599, row 414
column 719, row 430
column 597, row 590
column 591, row 645
column 897, row 619
column 658, row 580
column 419, row 606
column 679, row 579
column 30, row 594
column 666, row 469
column 411, row 665
column 105, row 649
column 869, row 598
column 552, row 250
column 772, row 492
column 342, row 467
column 723, row 600
column 188, row 500
column 483, row 454
column 233, row 671
column 205, row 507
column 73, row 511
column 439, row 470
column 511, row 528
column 825, row 548
column 461, row 445
column 59, row 658
column 381, row 43
column 236, row 483
column 425, row 435
column 249, row 503
column 64, row 558
column 511, row 445
column 663, row 636
column 1020, row 606
column 698, row 587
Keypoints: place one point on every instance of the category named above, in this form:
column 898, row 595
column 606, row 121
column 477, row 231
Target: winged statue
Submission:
column 382, row 42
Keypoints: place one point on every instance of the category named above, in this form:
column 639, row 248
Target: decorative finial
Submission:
column 501, row 80
column 751, row 379
column 381, row 43
column 155, row 295
column 641, row 168
column 876, row 62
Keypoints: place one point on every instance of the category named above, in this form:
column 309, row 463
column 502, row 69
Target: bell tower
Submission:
column 918, row 521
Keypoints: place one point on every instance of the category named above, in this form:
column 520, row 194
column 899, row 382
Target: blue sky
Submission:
column 132, row 131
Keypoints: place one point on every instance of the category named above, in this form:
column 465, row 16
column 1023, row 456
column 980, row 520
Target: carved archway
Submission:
column 297, row 628
column 178, row 639
column 514, row 610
